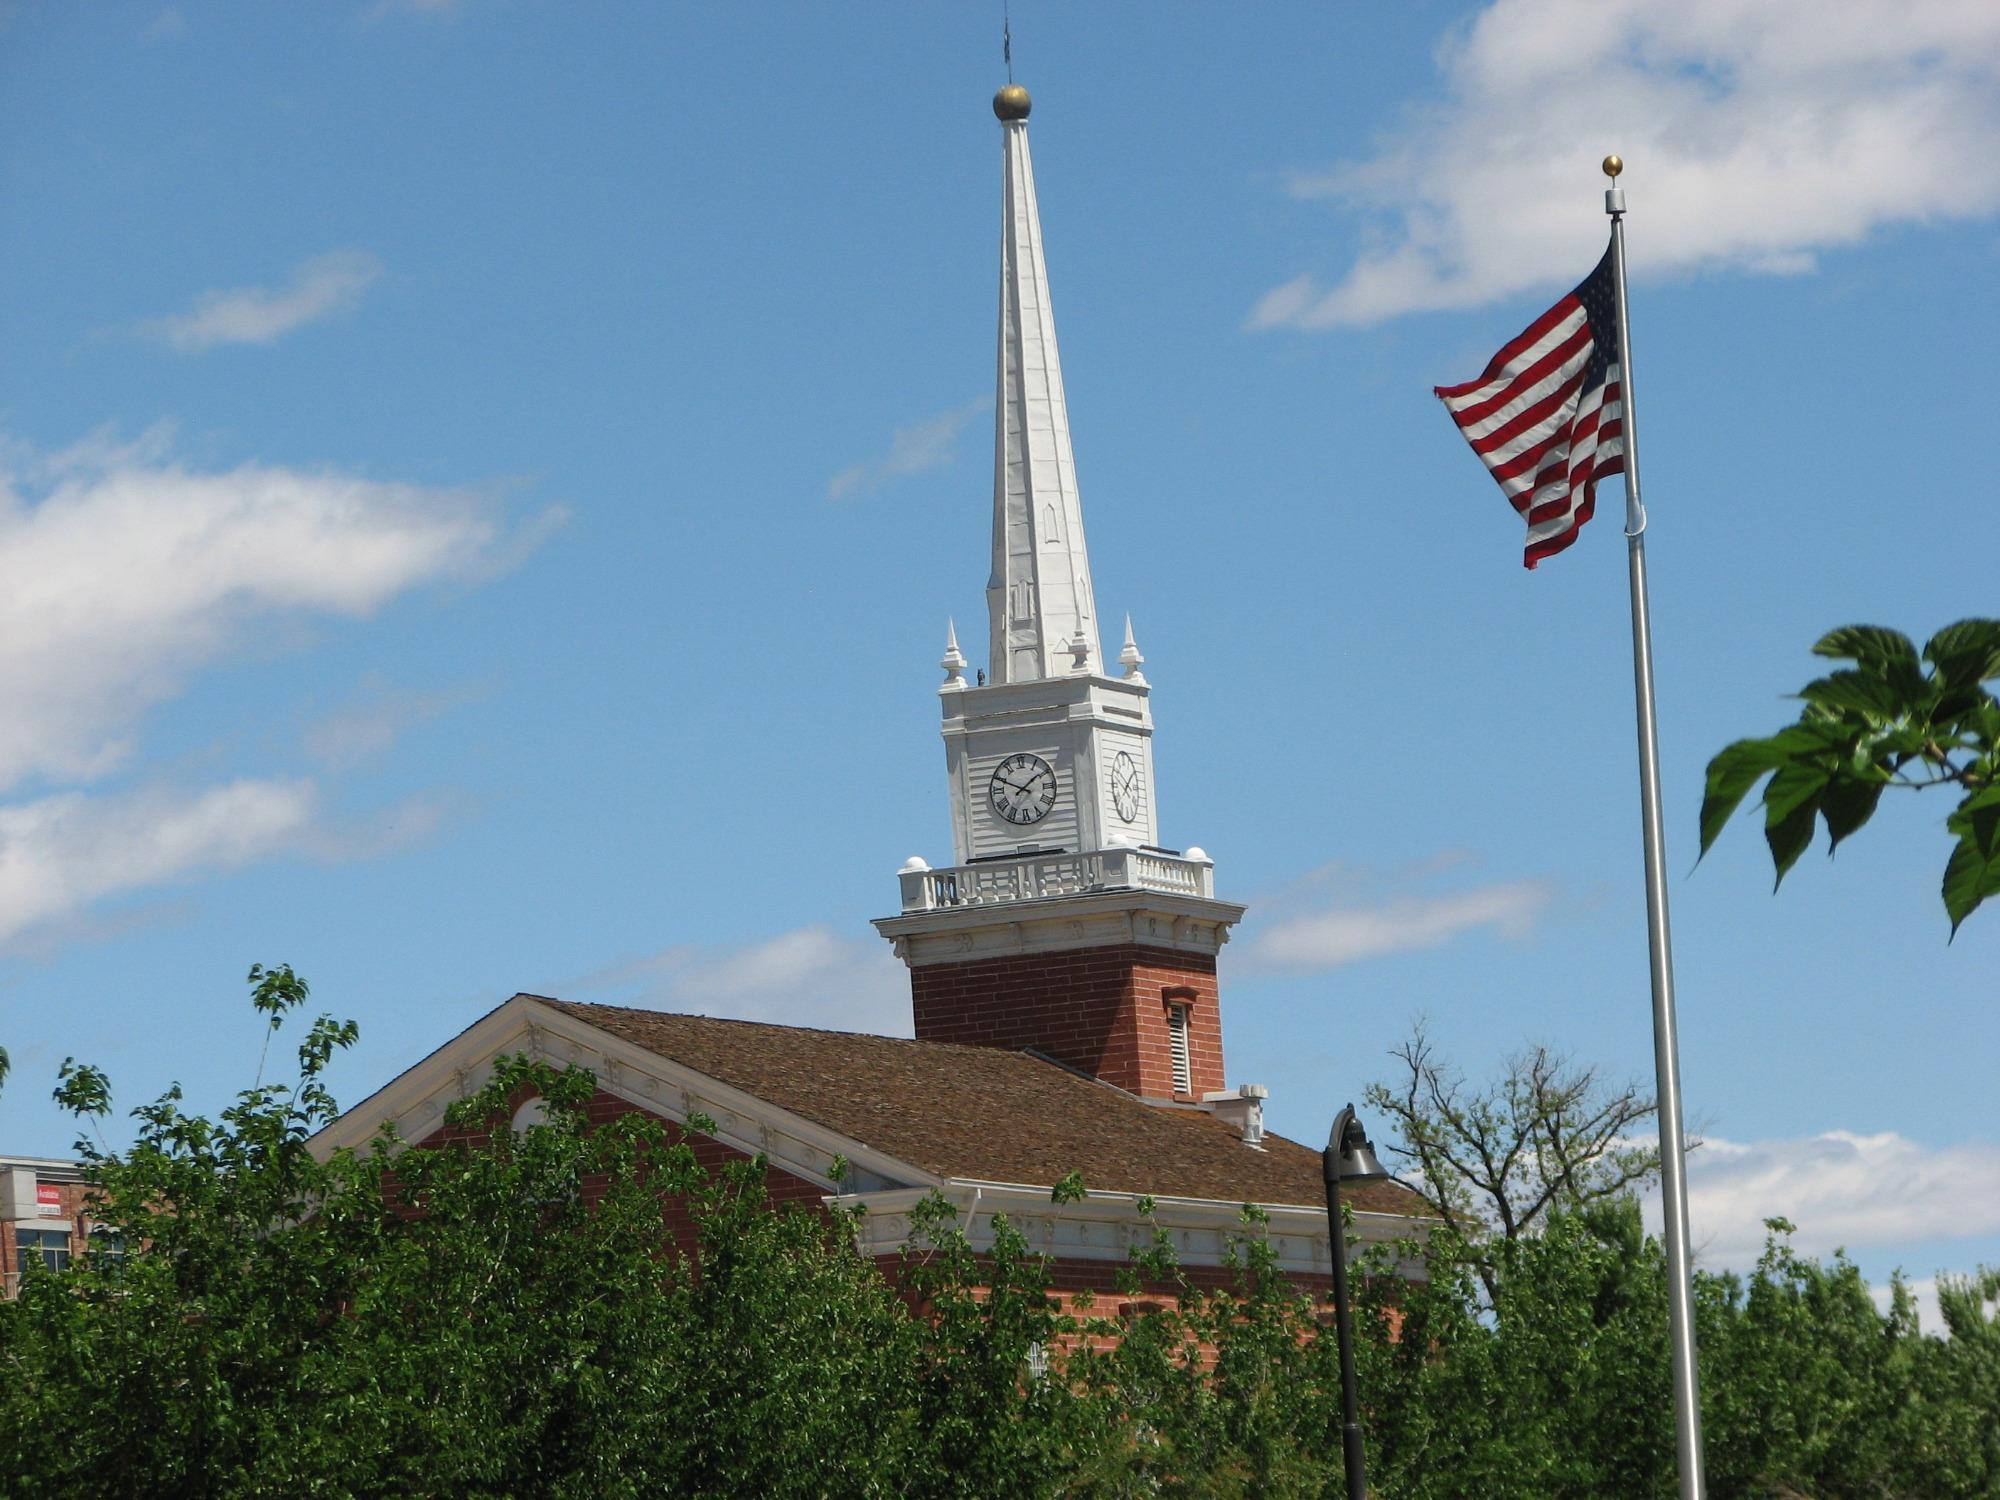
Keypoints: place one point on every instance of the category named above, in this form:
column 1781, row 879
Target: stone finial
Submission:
column 953, row 660
column 1129, row 658
column 1079, row 652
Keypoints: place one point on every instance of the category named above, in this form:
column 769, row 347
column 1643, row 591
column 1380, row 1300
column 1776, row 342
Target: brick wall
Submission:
column 782, row 1186
column 1103, row 1010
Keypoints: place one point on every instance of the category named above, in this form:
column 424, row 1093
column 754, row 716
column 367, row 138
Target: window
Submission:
column 50, row 1246
column 1177, row 1037
column 105, row 1245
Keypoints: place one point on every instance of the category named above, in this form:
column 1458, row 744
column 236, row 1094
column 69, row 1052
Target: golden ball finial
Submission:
column 1613, row 165
column 1012, row 103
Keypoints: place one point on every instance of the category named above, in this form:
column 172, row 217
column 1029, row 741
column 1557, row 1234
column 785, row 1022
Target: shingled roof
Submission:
column 986, row 1114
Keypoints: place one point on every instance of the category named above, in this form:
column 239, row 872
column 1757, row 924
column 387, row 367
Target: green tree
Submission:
column 579, row 1307
column 1889, row 720
column 1557, row 1388
column 1495, row 1160
column 1560, row 1388
column 501, row 1313
column 1218, row 1390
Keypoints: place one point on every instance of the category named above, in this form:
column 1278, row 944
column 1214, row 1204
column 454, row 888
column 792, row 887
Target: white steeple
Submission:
column 1042, row 618
column 1049, row 755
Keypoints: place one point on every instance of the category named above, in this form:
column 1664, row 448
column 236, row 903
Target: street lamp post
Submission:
column 1349, row 1157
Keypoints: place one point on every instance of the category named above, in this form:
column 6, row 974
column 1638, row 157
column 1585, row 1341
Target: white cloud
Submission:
column 319, row 288
column 1338, row 915
column 929, row 444
column 122, row 572
column 58, row 854
column 373, row 721
column 1841, row 1190
column 809, row 976
column 61, row 854
column 1757, row 133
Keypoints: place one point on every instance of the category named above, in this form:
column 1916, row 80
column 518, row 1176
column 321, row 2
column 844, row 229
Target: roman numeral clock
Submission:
column 1023, row 789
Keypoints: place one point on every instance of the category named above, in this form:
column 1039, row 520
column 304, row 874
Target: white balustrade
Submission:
column 1035, row 877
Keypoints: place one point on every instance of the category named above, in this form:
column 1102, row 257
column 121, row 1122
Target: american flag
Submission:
column 1547, row 414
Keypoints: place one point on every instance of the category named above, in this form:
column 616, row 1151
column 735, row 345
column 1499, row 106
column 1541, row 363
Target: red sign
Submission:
column 48, row 1200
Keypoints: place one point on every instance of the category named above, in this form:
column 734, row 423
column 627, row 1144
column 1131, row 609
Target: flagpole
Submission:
column 1666, row 1048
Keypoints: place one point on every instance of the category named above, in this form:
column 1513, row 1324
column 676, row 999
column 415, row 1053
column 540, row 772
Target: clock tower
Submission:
column 1062, row 924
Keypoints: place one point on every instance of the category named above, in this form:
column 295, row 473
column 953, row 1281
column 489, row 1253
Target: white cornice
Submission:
column 1116, row 918
column 1109, row 1226
column 1078, row 695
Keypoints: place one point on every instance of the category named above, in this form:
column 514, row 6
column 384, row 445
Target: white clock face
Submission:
column 1125, row 786
column 1023, row 789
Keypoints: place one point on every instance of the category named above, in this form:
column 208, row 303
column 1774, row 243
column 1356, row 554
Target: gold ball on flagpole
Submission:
column 1012, row 103
column 1613, row 165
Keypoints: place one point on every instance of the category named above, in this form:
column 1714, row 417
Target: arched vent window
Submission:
column 533, row 1111
column 1177, row 1037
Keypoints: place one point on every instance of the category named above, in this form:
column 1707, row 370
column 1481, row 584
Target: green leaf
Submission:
column 1854, row 691
column 1984, row 722
column 1849, row 802
column 1965, row 653
column 1973, row 872
column 1953, row 706
column 1866, row 643
column 1797, row 783
column 1978, row 818
column 1887, row 652
column 1790, row 803
column 1811, row 737
column 1970, row 876
column 1731, row 774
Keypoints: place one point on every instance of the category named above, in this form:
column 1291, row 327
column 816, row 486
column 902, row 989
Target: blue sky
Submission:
column 484, row 489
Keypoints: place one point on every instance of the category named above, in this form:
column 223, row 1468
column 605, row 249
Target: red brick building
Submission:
column 44, row 1215
column 1063, row 965
column 991, row 1129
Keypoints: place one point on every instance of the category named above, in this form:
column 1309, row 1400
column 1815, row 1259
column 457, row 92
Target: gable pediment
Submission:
column 416, row 1100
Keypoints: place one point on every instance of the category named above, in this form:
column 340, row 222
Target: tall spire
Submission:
column 1042, row 618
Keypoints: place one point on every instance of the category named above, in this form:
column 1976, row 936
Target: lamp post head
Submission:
column 1350, row 1155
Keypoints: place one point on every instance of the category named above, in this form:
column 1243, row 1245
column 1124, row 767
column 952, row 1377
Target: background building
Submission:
column 43, row 1215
